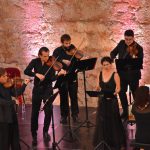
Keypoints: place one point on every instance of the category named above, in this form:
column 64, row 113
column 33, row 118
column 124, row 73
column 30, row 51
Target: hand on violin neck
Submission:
column 61, row 72
column 66, row 62
column 40, row 76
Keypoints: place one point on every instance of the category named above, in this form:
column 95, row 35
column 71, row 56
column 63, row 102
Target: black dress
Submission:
column 142, row 125
column 109, row 127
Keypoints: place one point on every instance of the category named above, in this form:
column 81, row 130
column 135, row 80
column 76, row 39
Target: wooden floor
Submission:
column 82, row 136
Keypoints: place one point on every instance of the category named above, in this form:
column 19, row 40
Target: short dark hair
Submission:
column 2, row 71
column 106, row 58
column 129, row 33
column 42, row 49
column 142, row 96
column 65, row 37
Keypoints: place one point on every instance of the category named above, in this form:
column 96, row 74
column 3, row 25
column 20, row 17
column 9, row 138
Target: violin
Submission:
column 72, row 51
column 17, row 81
column 53, row 63
column 132, row 49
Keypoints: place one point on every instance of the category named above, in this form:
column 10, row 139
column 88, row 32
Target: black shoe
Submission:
column 63, row 120
column 46, row 137
column 34, row 140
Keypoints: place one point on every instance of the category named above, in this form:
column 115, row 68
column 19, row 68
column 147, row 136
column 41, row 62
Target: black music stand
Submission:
column 102, row 94
column 129, row 65
column 50, row 100
column 82, row 66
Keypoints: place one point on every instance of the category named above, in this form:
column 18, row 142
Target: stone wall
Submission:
column 27, row 25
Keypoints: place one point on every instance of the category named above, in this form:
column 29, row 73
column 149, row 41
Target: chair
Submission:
column 14, row 73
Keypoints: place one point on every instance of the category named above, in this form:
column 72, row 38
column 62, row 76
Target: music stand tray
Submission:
column 86, row 64
column 94, row 93
column 105, row 94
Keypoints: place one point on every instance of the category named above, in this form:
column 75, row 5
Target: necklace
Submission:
column 145, row 106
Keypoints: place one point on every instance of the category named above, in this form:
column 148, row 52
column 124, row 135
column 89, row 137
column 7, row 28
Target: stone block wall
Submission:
column 27, row 25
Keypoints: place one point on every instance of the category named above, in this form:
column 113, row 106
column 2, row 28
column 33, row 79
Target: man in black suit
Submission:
column 70, row 86
column 42, row 90
column 128, row 49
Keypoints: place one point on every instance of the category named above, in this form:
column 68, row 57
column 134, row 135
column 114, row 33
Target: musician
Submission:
column 128, row 49
column 42, row 90
column 9, row 133
column 141, row 112
column 68, row 87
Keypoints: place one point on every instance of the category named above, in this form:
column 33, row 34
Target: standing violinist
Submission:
column 68, row 87
column 9, row 132
column 44, row 75
column 128, row 49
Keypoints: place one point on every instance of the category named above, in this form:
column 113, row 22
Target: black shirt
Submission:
column 35, row 66
column 61, row 54
column 121, row 51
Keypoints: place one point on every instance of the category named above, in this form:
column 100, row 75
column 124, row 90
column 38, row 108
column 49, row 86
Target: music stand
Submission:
column 82, row 66
column 129, row 65
column 50, row 100
column 102, row 94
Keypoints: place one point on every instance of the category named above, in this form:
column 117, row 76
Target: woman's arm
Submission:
column 117, row 81
column 98, row 88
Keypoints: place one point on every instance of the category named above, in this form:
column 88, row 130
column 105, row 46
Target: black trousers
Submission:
column 69, row 89
column 126, row 80
column 9, row 135
column 39, row 94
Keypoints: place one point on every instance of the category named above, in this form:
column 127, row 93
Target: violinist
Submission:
column 128, row 49
column 43, row 71
column 66, row 55
column 9, row 133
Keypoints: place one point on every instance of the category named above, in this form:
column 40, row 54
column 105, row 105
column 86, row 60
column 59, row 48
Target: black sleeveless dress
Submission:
column 109, row 127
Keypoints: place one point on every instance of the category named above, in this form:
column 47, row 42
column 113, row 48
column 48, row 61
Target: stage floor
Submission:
column 82, row 136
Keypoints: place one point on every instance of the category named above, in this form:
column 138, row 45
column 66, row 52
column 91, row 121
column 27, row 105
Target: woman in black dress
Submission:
column 141, row 111
column 109, row 127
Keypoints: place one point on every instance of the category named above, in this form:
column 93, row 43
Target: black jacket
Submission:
column 35, row 66
column 7, row 111
column 121, row 51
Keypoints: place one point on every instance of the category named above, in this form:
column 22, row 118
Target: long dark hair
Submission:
column 142, row 96
column 106, row 58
